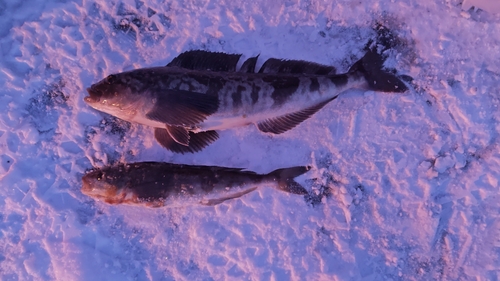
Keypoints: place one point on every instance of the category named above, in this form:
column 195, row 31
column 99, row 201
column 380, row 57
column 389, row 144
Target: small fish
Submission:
column 199, row 93
column 155, row 184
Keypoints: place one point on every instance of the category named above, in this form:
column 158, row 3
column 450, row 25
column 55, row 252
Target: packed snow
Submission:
column 403, row 186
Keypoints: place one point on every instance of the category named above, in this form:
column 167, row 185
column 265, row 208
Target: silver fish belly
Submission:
column 154, row 184
column 200, row 93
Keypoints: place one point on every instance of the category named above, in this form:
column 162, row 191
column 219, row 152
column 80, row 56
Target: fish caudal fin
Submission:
column 197, row 141
column 379, row 79
column 285, row 178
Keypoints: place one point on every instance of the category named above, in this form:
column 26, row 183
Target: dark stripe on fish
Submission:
column 255, row 94
column 284, row 87
column 237, row 96
column 314, row 85
column 215, row 86
column 339, row 80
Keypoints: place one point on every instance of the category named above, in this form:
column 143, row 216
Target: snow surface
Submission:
column 413, row 178
column 492, row 6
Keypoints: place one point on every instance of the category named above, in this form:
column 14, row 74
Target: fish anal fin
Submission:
column 281, row 124
column 183, row 108
column 216, row 201
column 273, row 65
column 249, row 65
column 205, row 60
column 179, row 134
column 197, row 141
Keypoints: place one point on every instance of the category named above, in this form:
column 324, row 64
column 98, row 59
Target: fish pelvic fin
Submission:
column 281, row 124
column 285, row 178
column 379, row 78
column 196, row 141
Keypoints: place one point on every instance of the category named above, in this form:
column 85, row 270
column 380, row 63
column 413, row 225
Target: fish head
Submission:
column 104, row 185
column 114, row 95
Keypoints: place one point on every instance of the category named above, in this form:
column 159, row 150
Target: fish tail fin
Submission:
column 371, row 65
column 285, row 178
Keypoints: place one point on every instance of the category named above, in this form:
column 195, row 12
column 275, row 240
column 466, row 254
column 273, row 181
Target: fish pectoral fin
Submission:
column 183, row 108
column 205, row 60
column 273, row 65
column 281, row 124
column 179, row 134
column 197, row 141
column 216, row 201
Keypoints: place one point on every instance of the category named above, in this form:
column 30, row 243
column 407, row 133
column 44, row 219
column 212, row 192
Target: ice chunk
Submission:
column 487, row 5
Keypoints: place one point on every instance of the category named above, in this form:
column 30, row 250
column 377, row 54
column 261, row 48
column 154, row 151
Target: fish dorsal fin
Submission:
column 296, row 67
column 205, row 60
column 249, row 65
column 183, row 108
column 216, row 201
column 281, row 124
column 197, row 141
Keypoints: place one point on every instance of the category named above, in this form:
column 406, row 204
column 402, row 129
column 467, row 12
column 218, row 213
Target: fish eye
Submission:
column 99, row 176
column 111, row 78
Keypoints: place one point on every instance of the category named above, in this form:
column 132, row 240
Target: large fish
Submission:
column 155, row 184
column 201, row 92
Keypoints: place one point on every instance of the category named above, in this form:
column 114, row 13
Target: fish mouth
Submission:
column 87, row 187
column 93, row 96
column 89, row 181
column 89, row 100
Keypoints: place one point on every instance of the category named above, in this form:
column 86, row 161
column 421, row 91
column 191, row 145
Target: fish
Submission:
column 200, row 93
column 160, row 184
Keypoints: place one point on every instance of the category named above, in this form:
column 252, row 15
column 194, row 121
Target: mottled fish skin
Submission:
column 180, row 101
column 258, row 97
column 244, row 98
column 155, row 184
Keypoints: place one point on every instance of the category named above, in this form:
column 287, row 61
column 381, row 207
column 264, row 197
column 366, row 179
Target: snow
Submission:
column 413, row 178
column 489, row 6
